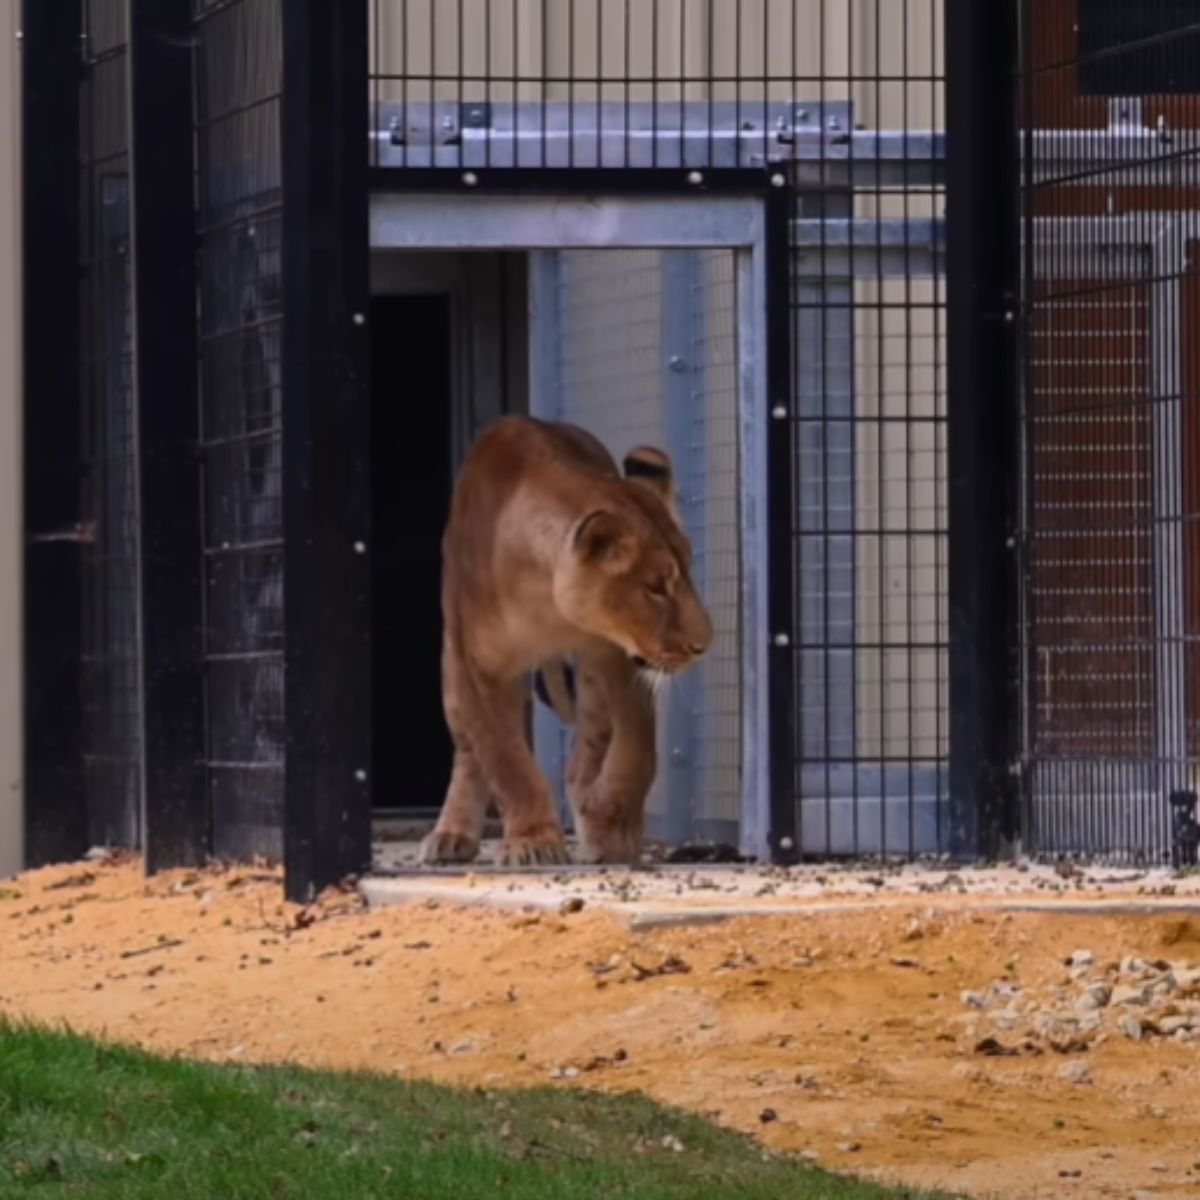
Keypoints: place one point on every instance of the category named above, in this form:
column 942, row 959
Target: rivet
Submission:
column 695, row 177
column 470, row 178
column 777, row 180
column 359, row 319
column 781, row 639
column 786, row 843
column 360, row 776
column 779, row 412
column 676, row 362
column 360, row 547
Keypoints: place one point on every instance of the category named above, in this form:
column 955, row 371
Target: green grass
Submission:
column 78, row 1118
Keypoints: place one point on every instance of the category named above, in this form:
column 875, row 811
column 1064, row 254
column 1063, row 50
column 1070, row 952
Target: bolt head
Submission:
column 695, row 177
column 360, row 776
column 470, row 178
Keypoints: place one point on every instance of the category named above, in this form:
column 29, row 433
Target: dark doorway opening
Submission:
column 411, row 479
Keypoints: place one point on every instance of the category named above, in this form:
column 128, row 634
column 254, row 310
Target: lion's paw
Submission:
column 538, row 849
column 446, row 846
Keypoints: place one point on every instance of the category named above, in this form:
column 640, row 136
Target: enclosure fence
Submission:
column 967, row 556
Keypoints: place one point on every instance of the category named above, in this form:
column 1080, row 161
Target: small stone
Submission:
column 974, row 999
column 1172, row 1025
column 1096, row 996
column 905, row 961
column 1075, row 1072
column 1081, row 958
column 967, row 1072
column 672, row 1143
column 767, row 1116
column 1131, row 1027
column 1131, row 965
column 1164, row 985
column 810, row 1155
column 849, row 1147
column 802, row 960
column 1127, row 994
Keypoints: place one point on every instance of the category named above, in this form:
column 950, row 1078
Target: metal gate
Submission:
column 1110, row 686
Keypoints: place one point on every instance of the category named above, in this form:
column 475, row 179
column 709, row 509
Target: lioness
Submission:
column 549, row 552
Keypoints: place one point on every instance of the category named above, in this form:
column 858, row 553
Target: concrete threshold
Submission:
column 525, row 892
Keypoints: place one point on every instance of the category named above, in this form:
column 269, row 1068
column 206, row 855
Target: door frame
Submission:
column 454, row 221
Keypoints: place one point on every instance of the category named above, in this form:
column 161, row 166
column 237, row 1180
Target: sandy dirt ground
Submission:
column 929, row 1040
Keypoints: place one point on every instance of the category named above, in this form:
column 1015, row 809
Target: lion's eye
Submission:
column 658, row 589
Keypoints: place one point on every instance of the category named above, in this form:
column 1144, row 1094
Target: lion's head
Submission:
column 626, row 577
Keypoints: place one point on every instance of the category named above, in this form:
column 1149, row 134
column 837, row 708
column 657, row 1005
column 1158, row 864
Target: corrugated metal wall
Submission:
column 11, row 837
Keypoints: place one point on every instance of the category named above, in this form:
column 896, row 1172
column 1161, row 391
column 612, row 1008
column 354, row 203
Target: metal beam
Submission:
column 326, row 444
column 175, row 813
column 54, row 788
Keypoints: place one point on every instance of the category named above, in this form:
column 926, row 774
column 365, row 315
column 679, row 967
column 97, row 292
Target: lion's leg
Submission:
column 456, row 836
column 532, row 833
column 593, row 730
column 610, row 807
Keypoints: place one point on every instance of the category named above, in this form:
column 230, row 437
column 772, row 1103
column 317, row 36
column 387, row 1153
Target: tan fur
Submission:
column 550, row 553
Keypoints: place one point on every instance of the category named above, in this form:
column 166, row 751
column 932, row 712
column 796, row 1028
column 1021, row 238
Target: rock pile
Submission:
column 1134, row 998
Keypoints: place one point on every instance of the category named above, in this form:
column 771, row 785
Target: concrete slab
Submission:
column 658, row 895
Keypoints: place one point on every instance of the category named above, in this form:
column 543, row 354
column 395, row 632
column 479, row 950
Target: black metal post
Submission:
column 175, row 825
column 782, row 837
column 983, row 253
column 326, row 442
column 55, row 795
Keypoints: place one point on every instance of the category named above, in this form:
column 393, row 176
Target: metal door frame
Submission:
column 536, row 222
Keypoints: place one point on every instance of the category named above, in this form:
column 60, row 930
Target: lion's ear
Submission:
column 604, row 539
column 650, row 467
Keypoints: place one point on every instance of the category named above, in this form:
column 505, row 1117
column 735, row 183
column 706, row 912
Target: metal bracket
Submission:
column 82, row 532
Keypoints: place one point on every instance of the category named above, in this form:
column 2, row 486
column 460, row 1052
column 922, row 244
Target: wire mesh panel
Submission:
column 239, row 77
column 1111, row 697
column 111, row 684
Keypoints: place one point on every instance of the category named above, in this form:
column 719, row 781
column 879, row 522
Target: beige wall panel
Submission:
column 612, row 49
column 11, row 835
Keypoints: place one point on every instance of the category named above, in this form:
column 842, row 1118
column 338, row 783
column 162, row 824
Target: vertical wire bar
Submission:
column 883, row 642
column 909, row 521
column 628, row 73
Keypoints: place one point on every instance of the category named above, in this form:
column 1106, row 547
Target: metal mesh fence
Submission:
column 1110, row 103
column 846, row 99
column 111, row 685
column 238, row 63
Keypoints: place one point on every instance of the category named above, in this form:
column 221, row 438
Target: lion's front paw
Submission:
column 447, row 846
column 621, row 845
column 542, row 847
